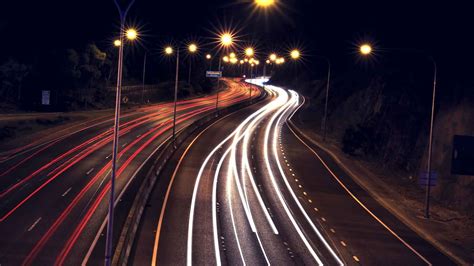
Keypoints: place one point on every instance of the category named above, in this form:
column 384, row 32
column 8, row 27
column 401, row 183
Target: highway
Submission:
column 250, row 190
column 54, row 191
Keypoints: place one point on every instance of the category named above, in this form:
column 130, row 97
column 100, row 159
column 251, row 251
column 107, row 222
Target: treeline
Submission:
column 84, row 78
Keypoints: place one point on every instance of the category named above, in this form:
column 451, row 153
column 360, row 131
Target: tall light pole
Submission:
column 169, row 51
column 226, row 40
column 366, row 49
column 209, row 58
column 192, row 48
column 430, row 145
column 131, row 34
column 328, row 82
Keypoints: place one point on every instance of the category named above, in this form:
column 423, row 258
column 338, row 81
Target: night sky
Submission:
column 332, row 28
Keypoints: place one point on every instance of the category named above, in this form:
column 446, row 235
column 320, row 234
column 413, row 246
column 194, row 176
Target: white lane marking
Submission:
column 275, row 185
column 108, row 156
column 67, row 191
column 125, row 144
column 90, row 171
column 294, row 104
column 229, row 199
column 139, row 135
column 360, row 202
column 34, row 224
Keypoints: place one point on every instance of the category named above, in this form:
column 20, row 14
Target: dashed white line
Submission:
column 34, row 224
column 90, row 171
column 67, row 191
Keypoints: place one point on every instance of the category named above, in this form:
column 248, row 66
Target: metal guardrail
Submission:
column 154, row 167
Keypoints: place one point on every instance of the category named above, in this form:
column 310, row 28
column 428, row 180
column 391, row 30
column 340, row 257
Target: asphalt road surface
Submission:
column 54, row 192
column 250, row 190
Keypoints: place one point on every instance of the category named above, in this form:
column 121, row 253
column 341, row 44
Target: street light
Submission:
column 117, row 43
column 366, row 49
column 130, row 35
column 226, row 39
column 192, row 48
column 264, row 3
column 208, row 57
column 273, row 57
column 168, row 50
column 249, row 51
column 295, row 54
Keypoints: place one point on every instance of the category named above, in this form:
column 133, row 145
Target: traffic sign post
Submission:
column 214, row 74
column 423, row 179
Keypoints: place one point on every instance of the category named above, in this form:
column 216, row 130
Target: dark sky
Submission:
column 444, row 29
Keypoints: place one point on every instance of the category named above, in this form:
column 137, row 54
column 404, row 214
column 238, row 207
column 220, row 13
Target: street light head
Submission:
column 168, row 50
column 273, row 57
column 232, row 55
column 234, row 60
column 264, row 3
column 226, row 39
column 192, row 48
column 268, row 61
column 242, row 62
column 117, row 43
column 208, row 57
column 131, row 34
column 225, row 59
column 249, row 51
column 365, row 49
column 295, row 54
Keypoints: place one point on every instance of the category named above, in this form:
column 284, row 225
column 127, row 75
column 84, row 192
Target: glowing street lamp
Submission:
column 295, row 54
column 273, row 57
column 226, row 39
column 131, row 34
column 264, row 3
column 117, row 43
column 168, row 50
column 232, row 55
column 249, row 52
column 208, row 57
column 226, row 59
column 365, row 49
column 192, row 48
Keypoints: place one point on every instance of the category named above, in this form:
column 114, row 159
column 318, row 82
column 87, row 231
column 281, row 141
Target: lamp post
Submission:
column 226, row 40
column 130, row 34
column 192, row 48
column 328, row 82
column 209, row 58
column 366, row 49
column 169, row 51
